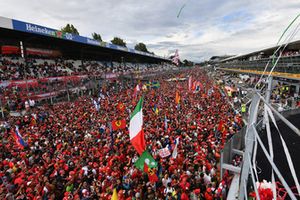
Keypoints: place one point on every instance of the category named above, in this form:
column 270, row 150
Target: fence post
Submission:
column 268, row 94
column 1, row 106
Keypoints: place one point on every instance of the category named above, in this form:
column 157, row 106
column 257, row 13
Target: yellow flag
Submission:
column 115, row 195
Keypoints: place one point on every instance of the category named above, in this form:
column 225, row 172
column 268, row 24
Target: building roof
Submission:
column 267, row 51
column 24, row 30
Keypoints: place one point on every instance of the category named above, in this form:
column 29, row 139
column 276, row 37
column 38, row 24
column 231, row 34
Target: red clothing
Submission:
column 208, row 196
column 184, row 196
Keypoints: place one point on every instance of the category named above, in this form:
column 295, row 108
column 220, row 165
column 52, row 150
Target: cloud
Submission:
column 204, row 28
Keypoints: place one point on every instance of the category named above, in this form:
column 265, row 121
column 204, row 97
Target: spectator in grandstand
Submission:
column 17, row 68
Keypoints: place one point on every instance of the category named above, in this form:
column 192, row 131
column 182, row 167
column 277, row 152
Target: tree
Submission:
column 187, row 63
column 97, row 37
column 141, row 47
column 118, row 41
column 69, row 28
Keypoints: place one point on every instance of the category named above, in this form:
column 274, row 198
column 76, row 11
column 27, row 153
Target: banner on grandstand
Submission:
column 21, row 84
column 35, row 82
column 45, row 95
column 43, row 52
column 64, row 78
column 110, row 75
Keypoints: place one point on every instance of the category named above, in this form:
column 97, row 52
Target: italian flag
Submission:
column 136, row 132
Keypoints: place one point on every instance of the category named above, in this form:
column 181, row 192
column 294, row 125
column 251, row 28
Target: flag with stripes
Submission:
column 136, row 131
column 175, row 59
column 19, row 138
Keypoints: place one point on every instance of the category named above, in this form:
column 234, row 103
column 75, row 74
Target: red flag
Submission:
column 118, row 124
column 33, row 121
column 190, row 83
column 222, row 128
column 121, row 107
column 221, row 125
column 151, row 173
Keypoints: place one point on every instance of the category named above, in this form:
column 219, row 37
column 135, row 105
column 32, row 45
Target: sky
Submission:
column 204, row 28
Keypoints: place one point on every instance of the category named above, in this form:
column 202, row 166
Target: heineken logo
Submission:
column 47, row 31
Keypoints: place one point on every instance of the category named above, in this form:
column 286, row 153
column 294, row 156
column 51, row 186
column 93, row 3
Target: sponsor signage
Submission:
column 41, row 30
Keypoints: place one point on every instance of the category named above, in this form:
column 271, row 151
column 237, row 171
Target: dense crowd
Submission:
column 14, row 98
column 33, row 71
column 17, row 68
column 72, row 153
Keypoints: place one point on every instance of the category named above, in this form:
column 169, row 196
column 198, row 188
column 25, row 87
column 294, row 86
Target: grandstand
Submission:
column 254, row 63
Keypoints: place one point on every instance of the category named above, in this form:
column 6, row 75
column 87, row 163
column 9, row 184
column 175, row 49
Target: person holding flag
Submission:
column 176, row 59
column 177, row 100
column 147, row 164
column 166, row 123
column 136, row 131
column 19, row 139
column 155, row 109
column 96, row 103
column 136, row 90
column 175, row 153
column 190, row 83
column 115, row 195
column 118, row 124
column 121, row 107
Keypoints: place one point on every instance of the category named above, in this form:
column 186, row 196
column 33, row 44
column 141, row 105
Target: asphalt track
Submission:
column 293, row 143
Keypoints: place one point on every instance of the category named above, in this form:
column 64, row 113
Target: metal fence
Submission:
column 236, row 142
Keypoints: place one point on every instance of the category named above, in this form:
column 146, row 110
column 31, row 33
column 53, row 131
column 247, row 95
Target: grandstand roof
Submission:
column 267, row 51
column 70, row 44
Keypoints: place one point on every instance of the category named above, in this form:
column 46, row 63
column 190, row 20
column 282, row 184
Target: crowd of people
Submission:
column 70, row 151
column 13, row 97
column 18, row 68
column 71, row 76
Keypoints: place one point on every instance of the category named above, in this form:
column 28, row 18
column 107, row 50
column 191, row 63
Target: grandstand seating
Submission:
column 14, row 68
column 42, row 78
column 288, row 63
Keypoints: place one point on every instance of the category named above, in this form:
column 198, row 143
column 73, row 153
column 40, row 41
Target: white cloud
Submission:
column 204, row 28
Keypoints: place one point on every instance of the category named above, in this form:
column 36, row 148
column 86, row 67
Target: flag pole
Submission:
column 111, row 136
